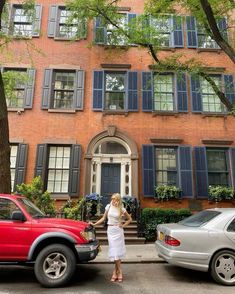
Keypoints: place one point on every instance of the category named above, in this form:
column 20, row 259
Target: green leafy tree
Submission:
column 34, row 192
column 140, row 32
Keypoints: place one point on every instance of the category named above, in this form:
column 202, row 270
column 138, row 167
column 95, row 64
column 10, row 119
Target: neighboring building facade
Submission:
column 99, row 119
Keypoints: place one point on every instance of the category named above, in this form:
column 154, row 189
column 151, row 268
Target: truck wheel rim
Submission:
column 225, row 267
column 55, row 265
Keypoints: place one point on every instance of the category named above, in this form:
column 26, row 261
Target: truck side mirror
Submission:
column 17, row 215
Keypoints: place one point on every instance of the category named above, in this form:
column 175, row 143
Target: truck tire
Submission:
column 55, row 265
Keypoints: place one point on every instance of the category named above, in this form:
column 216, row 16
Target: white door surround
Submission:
column 127, row 158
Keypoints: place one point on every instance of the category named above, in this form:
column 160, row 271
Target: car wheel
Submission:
column 223, row 267
column 55, row 265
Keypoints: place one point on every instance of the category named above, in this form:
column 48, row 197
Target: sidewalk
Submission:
column 141, row 253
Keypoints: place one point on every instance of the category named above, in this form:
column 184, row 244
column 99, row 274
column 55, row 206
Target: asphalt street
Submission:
column 150, row 278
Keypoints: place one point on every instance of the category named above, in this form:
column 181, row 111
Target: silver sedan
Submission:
column 204, row 241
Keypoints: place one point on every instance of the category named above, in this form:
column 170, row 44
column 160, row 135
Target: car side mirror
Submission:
column 18, row 216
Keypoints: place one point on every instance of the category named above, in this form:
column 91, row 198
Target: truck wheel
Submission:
column 55, row 265
column 223, row 267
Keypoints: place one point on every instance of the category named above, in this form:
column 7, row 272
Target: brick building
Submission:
column 99, row 119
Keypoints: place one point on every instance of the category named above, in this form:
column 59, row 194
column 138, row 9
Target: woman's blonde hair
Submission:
column 118, row 197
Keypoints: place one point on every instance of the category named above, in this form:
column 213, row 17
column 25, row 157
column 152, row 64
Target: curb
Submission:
column 130, row 261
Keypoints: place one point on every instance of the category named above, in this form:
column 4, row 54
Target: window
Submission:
column 63, row 89
column 162, row 27
column 22, row 22
column 108, row 34
column 58, row 169
column 163, row 92
column 218, row 170
column 7, row 207
column 15, row 97
column 199, row 219
column 111, row 147
column 166, row 166
column 19, row 87
column 114, row 36
column 63, row 24
column 204, row 40
column 66, row 29
column 18, row 161
column 231, row 227
column 197, row 36
column 13, row 157
column 210, row 101
column 115, row 91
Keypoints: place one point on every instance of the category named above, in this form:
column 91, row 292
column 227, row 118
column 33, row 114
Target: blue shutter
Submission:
column 37, row 20
column 100, row 33
column 98, row 88
column 148, row 170
column 201, row 172
column 40, row 168
column 178, row 40
column 46, row 91
column 196, row 94
column 52, row 21
column 229, row 88
column 29, row 89
column 232, row 154
column 191, row 32
column 79, row 89
column 74, row 170
column 21, row 164
column 186, row 180
column 147, row 91
column 222, row 25
column 132, row 103
column 182, row 97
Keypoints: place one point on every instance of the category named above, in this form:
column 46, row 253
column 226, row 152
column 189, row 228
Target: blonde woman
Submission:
column 117, row 250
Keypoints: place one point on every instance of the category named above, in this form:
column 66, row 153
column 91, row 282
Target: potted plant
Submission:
column 167, row 192
column 93, row 202
column 130, row 203
column 218, row 193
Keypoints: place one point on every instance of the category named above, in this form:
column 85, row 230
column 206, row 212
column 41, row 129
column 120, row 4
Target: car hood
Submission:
column 61, row 223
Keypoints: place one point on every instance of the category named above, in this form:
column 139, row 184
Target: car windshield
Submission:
column 200, row 218
column 31, row 208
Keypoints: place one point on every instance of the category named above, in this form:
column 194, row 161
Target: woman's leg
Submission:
column 119, row 270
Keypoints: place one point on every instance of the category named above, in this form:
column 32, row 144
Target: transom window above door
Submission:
column 115, row 91
column 111, row 147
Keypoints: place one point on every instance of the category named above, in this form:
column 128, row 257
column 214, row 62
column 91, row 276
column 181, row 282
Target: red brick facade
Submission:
column 36, row 126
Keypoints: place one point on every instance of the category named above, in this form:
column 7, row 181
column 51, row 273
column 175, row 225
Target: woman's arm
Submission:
column 100, row 221
column 129, row 219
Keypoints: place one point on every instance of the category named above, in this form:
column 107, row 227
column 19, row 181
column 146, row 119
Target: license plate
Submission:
column 161, row 236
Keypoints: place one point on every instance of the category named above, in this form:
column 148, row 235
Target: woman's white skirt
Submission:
column 117, row 249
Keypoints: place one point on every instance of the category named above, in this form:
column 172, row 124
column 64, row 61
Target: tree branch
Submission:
column 215, row 31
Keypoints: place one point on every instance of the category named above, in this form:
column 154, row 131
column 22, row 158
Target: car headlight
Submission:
column 88, row 234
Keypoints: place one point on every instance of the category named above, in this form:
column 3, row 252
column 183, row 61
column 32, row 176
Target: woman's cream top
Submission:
column 114, row 214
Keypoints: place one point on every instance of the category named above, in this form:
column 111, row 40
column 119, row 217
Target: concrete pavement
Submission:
column 141, row 253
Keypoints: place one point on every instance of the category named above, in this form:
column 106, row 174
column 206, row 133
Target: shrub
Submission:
column 167, row 192
column 74, row 209
column 218, row 193
column 34, row 192
column 151, row 217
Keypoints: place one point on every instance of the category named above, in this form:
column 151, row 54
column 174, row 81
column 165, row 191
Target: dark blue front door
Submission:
column 110, row 181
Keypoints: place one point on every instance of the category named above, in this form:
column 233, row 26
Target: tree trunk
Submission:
column 5, row 173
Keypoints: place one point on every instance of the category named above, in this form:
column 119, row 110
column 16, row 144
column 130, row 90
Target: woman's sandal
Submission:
column 113, row 279
column 120, row 278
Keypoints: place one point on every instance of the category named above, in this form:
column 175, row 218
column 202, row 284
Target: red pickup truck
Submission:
column 53, row 245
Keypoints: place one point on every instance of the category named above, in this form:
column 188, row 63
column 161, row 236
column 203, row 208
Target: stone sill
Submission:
column 161, row 113
column 61, row 111
column 115, row 112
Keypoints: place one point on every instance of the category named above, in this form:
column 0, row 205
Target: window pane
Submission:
column 58, row 169
column 115, row 82
column 166, row 169
column 163, row 92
